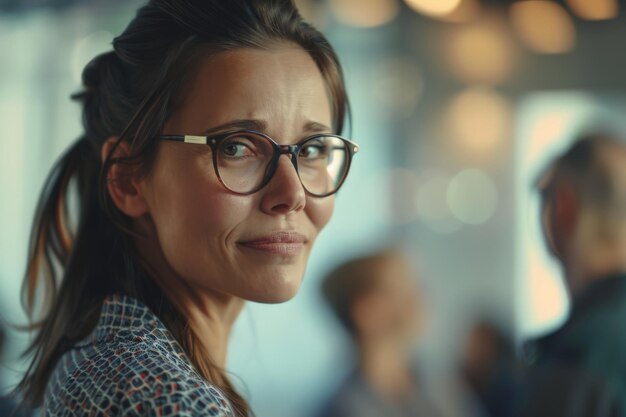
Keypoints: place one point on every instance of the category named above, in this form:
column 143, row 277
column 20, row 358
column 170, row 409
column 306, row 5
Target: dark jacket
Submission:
column 580, row 370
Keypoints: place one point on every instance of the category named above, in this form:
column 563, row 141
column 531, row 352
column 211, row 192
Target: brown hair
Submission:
column 352, row 280
column 80, row 249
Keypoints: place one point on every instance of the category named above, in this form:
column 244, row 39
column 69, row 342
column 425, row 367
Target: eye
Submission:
column 235, row 149
column 313, row 150
column 238, row 147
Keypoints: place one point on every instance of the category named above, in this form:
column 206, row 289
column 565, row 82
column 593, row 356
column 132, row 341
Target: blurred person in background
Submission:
column 490, row 368
column 580, row 369
column 375, row 299
column 208, row 167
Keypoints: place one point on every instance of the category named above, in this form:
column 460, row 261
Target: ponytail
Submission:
column 50, row 255
column 80, row 249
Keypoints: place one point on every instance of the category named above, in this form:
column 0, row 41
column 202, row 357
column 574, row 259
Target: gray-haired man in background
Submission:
column 580, row 369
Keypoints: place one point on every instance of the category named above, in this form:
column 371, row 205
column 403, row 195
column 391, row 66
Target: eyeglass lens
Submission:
column 244, row 161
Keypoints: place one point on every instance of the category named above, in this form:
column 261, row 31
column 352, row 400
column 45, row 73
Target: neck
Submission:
column 386, row 366
column 211, row 315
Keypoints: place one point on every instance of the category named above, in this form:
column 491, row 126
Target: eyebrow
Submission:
column 248, row 124
column 315, row 127
column 261, row 126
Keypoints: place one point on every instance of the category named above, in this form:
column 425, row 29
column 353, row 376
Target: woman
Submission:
column 206, row 171
column 377, row 303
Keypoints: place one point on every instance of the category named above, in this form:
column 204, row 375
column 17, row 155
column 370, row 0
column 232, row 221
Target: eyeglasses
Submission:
column 245, row 160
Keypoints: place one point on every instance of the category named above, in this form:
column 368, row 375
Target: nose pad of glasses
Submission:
column 272, row 167
column 294, row 162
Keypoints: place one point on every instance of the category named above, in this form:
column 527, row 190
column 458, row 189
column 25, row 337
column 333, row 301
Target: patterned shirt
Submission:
column 130, row 366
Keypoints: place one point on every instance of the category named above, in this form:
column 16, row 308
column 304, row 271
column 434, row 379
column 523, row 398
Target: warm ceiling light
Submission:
column 544, row 26
column 594, row 10
column 478, row 121
column 480, row 53
column 365, row 13
column 466, row 11
column 434, row 7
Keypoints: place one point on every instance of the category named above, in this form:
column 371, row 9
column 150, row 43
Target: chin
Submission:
column 276, row 292
column 271, row 285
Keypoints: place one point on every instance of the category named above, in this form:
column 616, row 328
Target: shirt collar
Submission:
column 130, row 320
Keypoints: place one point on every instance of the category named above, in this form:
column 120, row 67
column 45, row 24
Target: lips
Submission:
column 277, row 243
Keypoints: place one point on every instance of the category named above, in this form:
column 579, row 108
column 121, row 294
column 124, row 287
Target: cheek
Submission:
column 319, row 211
column 195, row 235
column 192, row 213
column 195, row 216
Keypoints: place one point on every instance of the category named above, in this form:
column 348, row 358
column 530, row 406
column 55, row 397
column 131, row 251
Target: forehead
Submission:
column 281, row 86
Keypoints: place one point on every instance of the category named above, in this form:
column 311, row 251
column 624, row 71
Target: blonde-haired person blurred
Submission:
column 580, row 369
column 376, row 301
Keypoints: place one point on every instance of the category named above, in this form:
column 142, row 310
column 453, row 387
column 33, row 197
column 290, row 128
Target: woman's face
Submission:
column 251, row 246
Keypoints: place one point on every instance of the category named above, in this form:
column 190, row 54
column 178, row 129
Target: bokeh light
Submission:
column 472, row 196
column 543, row 26
column 594, row 9
column 432, row 206
column 479, row 120
column 398, row 86
column 365, row 13
column 466, row 11
column 434, row 7
column 480, row 53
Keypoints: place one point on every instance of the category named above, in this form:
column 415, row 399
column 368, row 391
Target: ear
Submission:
column 122, row 182
column 560, row 219
column 565, row 209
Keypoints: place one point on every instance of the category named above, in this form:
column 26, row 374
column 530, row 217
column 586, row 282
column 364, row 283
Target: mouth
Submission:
column 277, row 243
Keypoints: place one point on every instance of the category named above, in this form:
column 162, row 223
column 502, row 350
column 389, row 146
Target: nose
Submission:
column 284, row 193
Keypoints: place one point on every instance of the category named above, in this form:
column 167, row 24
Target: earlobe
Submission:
column 122, row 183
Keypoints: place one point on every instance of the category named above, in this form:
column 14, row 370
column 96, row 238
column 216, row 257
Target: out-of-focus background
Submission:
column 457, row 106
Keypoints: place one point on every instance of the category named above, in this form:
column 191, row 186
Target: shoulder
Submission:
column 132, row 380
column 351, row 398
column 560, row 390
column 581, row 375
column 158, row 384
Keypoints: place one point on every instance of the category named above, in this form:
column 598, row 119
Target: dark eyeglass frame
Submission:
column 214, row 141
